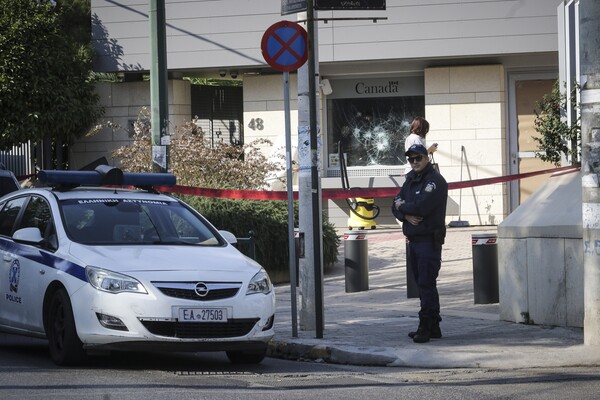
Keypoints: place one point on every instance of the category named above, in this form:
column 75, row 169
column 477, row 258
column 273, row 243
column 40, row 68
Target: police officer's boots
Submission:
column 435, row 332
column 423, row 333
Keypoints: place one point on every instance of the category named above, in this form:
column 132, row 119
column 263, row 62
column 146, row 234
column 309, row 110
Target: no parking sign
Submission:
column 285, row 46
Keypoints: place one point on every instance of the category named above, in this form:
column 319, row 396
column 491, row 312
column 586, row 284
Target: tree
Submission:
column 75, row 17
column 45, row 90
column 557, row 137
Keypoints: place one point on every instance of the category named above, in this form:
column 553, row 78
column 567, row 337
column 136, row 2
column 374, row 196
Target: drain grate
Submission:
column 214, row 373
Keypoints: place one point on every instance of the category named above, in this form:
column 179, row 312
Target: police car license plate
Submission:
column 203, row 315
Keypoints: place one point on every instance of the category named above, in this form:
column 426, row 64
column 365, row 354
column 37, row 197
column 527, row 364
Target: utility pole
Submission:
column 309, row 188
column 589, row 50
column 159, row 91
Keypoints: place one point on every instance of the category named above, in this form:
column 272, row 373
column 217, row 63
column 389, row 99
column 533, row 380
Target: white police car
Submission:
column 93, row 268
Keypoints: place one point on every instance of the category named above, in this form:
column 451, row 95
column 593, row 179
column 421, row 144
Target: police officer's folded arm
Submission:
column 398, row 200
column 421, row 209
column 397, row 213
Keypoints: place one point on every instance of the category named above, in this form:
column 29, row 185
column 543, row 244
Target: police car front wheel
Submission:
column 65, row 346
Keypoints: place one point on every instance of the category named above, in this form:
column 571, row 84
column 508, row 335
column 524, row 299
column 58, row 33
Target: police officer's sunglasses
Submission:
column 415, row 158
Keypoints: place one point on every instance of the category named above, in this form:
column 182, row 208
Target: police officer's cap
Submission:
column 416, row 148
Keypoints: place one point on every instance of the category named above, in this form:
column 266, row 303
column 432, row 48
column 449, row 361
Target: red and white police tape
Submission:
column 348, row 193
column 328, row 194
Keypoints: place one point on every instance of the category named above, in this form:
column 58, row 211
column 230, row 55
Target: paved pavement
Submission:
column 371, row 327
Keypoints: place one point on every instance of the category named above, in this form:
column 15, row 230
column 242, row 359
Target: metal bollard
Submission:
column 485, row 268
column 356, row 261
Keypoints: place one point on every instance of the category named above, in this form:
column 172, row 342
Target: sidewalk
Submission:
column 371, row 327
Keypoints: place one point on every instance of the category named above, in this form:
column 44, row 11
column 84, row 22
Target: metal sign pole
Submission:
column 314, row 174
column 589, row 55
column 159, row 87
column 284, row 47
column 290, row 197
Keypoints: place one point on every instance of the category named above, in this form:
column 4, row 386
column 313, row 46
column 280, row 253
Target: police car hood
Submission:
column 164, row 258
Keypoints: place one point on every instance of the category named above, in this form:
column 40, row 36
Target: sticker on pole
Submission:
column 285, row 46
column 355, row 236
column 481, row 239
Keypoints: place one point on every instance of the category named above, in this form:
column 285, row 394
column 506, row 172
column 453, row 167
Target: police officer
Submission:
column 421, row 207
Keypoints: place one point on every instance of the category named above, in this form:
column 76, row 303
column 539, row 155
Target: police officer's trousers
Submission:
column 426, row 260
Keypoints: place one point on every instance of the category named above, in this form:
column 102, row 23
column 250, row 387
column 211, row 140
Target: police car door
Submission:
column 10, row 268
column 30, row 268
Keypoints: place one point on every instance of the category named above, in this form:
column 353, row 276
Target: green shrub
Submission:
column 557, row 138
column 269, row 222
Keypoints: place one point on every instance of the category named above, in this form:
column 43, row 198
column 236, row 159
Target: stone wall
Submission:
column 466, row 107
column 540, row 256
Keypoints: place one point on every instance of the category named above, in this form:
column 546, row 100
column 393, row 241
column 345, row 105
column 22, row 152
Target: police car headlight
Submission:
column 112, row 282
column 260, row 283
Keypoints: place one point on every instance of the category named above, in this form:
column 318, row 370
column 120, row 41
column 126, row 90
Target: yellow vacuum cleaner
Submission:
column 362, row 211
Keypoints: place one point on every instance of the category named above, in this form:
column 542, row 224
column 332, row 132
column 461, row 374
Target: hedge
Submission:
column 268, row 220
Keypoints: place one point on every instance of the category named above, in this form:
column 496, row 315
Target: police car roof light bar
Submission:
column 110, row 175
column 148, row 179
column 105, row 175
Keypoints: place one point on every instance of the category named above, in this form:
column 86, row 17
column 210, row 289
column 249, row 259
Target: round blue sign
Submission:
column 284, row 46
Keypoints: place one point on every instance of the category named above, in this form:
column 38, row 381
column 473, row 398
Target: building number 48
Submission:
column 256, row 123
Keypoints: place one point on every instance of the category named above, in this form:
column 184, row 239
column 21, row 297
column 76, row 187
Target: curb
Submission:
column 328, row 354
column 459, row 357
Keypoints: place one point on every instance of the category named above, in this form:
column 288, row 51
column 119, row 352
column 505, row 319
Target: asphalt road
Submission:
column 26, row 372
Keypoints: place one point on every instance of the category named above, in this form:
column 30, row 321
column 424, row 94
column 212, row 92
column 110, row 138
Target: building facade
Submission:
column 474, row 68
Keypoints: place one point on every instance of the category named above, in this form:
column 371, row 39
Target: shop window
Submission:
column 371, row 131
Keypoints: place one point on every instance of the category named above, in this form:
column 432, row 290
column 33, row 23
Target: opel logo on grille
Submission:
column 201, row 289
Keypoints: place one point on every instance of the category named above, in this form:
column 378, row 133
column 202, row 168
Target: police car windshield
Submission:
column 109, row 221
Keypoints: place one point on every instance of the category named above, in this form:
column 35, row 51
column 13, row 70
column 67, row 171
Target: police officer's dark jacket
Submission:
column 424, row 195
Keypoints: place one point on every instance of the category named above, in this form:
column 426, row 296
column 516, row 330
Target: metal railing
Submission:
column 18, row 160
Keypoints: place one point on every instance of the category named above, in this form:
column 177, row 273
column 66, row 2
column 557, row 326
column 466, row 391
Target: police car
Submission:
column 95, row 268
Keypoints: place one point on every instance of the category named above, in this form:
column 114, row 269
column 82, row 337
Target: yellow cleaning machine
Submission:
column 362, row 211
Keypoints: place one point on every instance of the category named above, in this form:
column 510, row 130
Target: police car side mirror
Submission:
column 28, row 236
column 230, row 237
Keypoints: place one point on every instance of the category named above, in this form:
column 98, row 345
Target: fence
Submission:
column 18, row 160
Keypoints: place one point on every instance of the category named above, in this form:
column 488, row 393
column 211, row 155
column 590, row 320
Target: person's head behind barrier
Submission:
column 419, row 126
